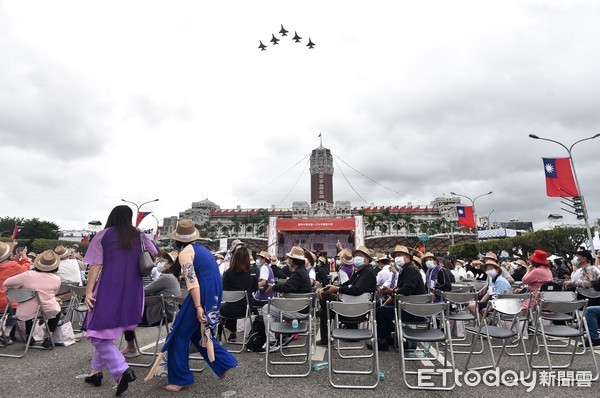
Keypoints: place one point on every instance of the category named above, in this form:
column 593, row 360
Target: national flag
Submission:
column 141, row 215
column 465, row 216
column 18, row 228
column 559, row 178
column 86, row 239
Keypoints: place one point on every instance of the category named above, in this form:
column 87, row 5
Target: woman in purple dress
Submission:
column 114, row 294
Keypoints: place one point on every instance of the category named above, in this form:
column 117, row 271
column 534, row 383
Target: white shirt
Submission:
column 224, row 266
column 343, row 277
column 68, row 271
column 384, row 276
column 264, row 272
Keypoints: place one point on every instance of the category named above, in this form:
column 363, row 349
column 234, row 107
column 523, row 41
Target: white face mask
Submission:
column 338, row 262
column 399, row 260
column 430, row 264
column 160, row 267
column 491, row 273
column 575, row 261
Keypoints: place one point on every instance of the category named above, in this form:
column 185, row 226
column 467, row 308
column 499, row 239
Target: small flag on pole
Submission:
column 18, row 228
column 141, row 215
column 559, row 178
column 465, row 216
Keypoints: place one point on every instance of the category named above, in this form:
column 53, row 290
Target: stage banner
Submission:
column 315, row 224
column 359, row 231
column 272, row 242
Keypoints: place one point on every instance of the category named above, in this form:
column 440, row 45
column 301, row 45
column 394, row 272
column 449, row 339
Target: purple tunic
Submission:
column 119, row 292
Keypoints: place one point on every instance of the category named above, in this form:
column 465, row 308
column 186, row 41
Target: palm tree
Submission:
column 408, row 222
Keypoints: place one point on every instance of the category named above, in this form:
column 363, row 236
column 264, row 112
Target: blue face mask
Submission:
column 359, row 262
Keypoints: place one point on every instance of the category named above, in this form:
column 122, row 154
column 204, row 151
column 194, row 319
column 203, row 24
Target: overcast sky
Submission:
column 103, row 100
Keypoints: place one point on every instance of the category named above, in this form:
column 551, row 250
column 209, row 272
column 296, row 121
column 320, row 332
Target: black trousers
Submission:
column 233, row 310
column 385, row 316
column 52, row 323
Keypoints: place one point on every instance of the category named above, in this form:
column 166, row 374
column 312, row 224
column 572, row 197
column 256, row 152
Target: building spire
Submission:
column 321, row 139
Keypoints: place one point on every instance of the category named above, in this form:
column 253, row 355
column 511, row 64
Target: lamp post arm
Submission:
column 581, row 140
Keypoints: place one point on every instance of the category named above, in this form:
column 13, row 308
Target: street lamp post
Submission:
column 157, row 222
column 138, row 207
column 473, row 206
column 489, row 219
column 584, row 206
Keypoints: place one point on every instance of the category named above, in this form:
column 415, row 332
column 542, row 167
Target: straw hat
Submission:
column 521, row 262
column 476, row 262
column 491, row 262
column 297, row 253
column 173, row 255
column 274, row 259
column 364, row 250
column 322, row 260
column 346, row 257
column 264, row 255
column 381, row 257
column 401, row 249
column 62, row 252
column 6, row 250
column 490, row 256
column 458, row 260
column 429, row 255
column 417, row 260
column 186, row 231
column 47, row 261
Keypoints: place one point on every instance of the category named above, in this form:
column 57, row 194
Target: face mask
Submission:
column 373, row 264
column 430, row 264
column 160, row 267
column 491, row 273
column 359, row 262
column 257, row 262
column 399, row 260
column 575, row 261
column 398, row 267
column 338, row 262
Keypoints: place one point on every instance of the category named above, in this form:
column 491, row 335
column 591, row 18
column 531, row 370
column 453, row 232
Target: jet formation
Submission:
column 283, row 33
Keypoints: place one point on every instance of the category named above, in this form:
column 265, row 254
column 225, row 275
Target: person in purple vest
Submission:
column 438, row 277
column 115, row 298
column 347, row 266
column 311, row 258
column 266, row 278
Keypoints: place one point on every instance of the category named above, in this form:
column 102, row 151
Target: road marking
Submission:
column 144, row 348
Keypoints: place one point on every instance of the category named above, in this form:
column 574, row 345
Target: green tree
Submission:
column 7, row 225
column 38, row 229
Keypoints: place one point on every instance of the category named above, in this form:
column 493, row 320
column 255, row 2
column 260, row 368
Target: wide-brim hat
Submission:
column 490, row 256
column 401, row 249
column 417, row 260
column 47, row 261
column 539, row 257
column 274, row 259
column 491, row 262
column 521, row 262
column 186, row 231
column 297, row 253
column 382, row 257
column 62, row 252
column 461, row 262
column 476, row 262
column 264, row 255
column 346, row 257
column 6, row 249
column 173, row 255
column 364, row 250
column 322, row 260
column 429, row 255
column 75, row 245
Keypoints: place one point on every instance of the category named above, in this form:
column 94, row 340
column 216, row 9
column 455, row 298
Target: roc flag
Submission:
column 559, row 178
column 465, row 216
column 16, row 231
column 140, row 217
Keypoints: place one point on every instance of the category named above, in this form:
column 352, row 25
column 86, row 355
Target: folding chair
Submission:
column 154, row 300
column 438, row 331
column 365, row 309
column 192, row 357
column 579, row 330
column 356, row 321
column 457, row 312
column 281, row 327
column 313, row 323
column 20, row 295
column 505, row 306
column 233, row 296
column 460, row 288
column 555, row 296
column 76, row 306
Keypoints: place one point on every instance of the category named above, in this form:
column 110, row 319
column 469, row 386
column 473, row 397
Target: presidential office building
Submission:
column 318, row 225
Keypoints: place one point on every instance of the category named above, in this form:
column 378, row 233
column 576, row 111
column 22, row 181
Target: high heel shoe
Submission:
column 95, row 379
column 124, row 381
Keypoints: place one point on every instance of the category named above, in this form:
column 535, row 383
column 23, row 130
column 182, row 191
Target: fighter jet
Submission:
column 310, row 44
column 274, row 40
column 283, row 31
column 262, row 46
column 296, row 38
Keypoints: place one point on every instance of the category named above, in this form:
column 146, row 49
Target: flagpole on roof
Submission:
column 583, row 205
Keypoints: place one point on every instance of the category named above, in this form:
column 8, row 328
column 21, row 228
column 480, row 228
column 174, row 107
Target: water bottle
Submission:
column 426, row 349
column 320, row 366
column 381, row 376
column 295, row 324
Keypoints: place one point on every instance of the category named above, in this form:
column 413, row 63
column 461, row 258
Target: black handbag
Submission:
column 145, row 263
